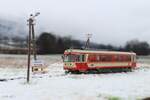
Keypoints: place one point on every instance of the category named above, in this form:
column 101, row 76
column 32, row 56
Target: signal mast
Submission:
column 31, row 41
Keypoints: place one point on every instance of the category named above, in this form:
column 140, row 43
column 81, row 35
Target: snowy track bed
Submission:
column 55, row 85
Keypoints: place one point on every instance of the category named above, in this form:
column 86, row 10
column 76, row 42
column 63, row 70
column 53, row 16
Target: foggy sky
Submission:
column 110, row 21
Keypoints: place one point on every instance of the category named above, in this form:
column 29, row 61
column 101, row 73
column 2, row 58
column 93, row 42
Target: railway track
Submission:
column 57, row 73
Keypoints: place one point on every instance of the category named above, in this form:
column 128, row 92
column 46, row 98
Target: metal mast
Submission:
column 87, row 44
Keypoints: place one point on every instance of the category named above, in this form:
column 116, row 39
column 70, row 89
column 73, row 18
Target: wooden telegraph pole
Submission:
column 31, row 40
column 87, row 44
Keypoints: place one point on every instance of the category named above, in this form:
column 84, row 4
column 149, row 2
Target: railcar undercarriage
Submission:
column 101, row 70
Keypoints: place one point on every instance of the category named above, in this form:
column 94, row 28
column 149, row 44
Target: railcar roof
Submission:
column 95, row 51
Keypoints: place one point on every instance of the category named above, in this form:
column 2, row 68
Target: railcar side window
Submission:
column 106, row 58
column 100, row 58
column 103, row 58
column 92, row 58
column 118, row 58
column 74, row 58
column 122, row 58
column 128, row 58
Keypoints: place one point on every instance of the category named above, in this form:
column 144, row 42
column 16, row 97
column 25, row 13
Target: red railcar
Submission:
column 88, row 60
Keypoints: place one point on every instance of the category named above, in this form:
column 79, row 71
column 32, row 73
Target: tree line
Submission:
column 48, row 43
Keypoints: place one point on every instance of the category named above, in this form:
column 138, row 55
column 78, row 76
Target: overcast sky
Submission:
column 110, row 21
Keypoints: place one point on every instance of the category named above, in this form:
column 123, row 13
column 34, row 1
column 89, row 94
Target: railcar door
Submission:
column 81, row 64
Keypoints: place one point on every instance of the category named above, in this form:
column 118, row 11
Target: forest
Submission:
column 48, row 43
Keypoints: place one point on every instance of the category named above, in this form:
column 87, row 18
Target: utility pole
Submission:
column 87, row 44
column 31, row 40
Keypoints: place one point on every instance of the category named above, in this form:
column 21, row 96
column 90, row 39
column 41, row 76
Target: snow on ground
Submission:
column 55, row 85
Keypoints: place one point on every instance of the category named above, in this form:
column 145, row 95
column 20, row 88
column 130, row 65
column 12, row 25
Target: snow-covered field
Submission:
column 55, row 85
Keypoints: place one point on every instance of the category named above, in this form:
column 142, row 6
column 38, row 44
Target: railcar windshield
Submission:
column 74, row 58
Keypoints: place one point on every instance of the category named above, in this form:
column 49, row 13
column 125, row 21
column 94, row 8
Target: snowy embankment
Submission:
column 55, row 85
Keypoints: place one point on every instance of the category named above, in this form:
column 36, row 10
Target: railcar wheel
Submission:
column 75, row 72
column 67, row 71
column 130, row 69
